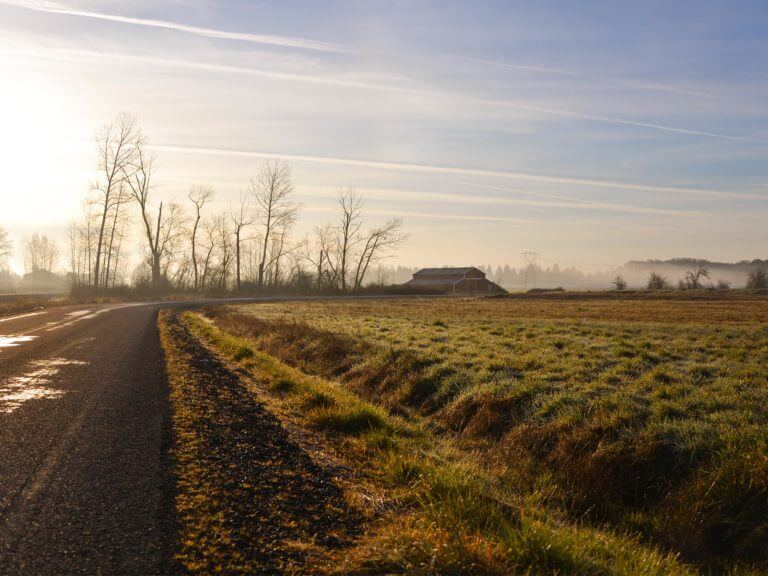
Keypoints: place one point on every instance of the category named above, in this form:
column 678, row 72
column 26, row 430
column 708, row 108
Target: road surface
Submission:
column 85, row 476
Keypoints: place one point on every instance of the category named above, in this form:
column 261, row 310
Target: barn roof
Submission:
column 418, row 281
column 444, row 271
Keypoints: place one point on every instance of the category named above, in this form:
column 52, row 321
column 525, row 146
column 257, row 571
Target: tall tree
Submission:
column 116, row 145
column 276, row 210
column 376, row 244
column 40, row 254
column 162, row 230
column 199, row 195
column 348, row 229
column 241, row 218
column 6, row 249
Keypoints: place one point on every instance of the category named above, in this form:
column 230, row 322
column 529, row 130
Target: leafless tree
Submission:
column 619, row 283
column 6, row 249
column 116, row 145
column 376, row 244
column 209, row 245
column 163, row 230
column 693, row 278
column 241, row 217
column 348, row 229
column 40, row 254
column 199, row 195
column 223, row 240
column 276, row 209
column 323, row 263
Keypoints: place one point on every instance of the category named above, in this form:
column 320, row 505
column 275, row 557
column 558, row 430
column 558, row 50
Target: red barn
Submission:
column 468, row 280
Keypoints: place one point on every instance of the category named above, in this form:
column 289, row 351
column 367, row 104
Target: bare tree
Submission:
column 619, row 283
column 693, row 278
column 6, row 249
column 348, row 229
column 199, row 195
column 276, row 210
column 116, row 145
column 40, row 254
column 377, row 243
column 162, row 230
column 223, row 239
column 323, row 264
column 241, row 218
column 209, row 245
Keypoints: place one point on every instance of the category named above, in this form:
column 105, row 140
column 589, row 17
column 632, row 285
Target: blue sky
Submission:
column 591, row 132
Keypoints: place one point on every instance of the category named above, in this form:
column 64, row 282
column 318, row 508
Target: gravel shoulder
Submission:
column 250, row 499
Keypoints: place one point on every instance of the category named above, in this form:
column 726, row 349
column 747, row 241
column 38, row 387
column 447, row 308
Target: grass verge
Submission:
column 431, row 508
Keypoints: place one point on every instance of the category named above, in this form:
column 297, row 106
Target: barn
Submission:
column 467, row 280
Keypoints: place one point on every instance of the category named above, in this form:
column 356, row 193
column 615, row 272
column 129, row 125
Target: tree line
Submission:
column 250, row 246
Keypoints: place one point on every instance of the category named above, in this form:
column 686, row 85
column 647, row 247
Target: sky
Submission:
column 591, row 132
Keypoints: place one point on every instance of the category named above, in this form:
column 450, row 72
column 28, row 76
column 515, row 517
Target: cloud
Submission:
column 453, row 170
column 625, row 82
column 282, row 41
column 468, row 199
column 434, row 216
column 301, row 43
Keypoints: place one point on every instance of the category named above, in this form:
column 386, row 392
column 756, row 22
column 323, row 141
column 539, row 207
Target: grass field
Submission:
column 575, row 436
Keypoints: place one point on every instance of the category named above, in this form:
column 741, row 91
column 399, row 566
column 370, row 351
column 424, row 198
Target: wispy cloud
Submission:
column 282, row 41
column 463, row 171
column 475, row 200
column 434, row 216
column 57, row 8
column 618, row 81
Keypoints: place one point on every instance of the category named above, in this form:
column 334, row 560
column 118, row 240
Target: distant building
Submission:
column 453, row 281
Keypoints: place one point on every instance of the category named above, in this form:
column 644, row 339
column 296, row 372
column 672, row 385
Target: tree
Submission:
column 693, row 278
column 40, row 254
column 757, row 279
column 163, row 230
column 276, row 210
column 6, row 249
column 241, row 218
column 619, row 283
column 199, row 195
column 349, row 225
column 657, row 282
column 116, row 146
column 378, row 241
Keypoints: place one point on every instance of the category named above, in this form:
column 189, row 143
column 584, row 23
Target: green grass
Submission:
column 445, row 510
column 647, row 417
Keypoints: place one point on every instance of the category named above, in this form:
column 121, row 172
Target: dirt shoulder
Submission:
column 250, row 500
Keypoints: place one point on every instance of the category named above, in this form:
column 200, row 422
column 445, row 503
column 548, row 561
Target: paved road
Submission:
column 86, row 481
column 85, row 476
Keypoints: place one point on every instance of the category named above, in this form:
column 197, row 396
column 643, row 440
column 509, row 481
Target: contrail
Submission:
column 619, row 81
column 290, row 77
column 284, row 41
column 575, row 203
column 427, row 168
column 434, row 216
column 303, row 43
column 328, row 47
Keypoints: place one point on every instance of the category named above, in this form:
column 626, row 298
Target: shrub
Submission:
column 619, row 283
column 658, row 282
column 758, row 279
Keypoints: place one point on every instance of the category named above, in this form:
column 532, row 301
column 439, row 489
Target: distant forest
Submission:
column 635, row 272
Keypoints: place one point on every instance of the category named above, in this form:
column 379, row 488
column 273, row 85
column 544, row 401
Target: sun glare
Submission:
column 40, row 130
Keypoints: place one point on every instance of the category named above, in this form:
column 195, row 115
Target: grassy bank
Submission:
column 653, row 428
column 431, row 507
